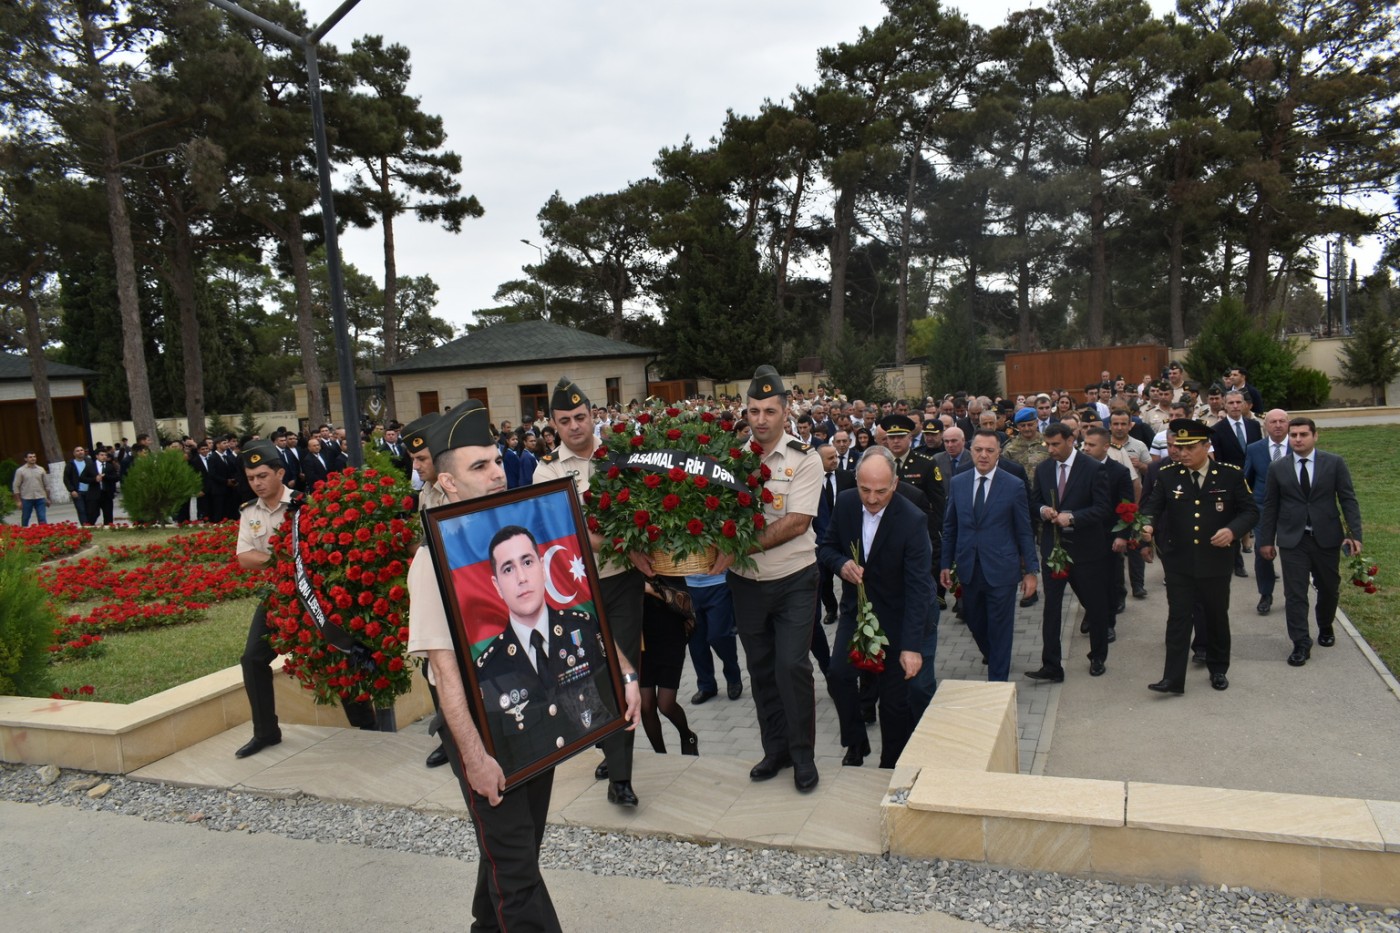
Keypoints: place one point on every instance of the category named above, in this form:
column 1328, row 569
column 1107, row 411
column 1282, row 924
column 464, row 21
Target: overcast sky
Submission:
column 579, row 98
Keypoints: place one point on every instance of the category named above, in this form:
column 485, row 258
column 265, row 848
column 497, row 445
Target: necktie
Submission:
column 541, row 656
column 1278, row 452
column 1064, row 475
column 1303, row 480
column 1196, row 478
column 979, row 502
column 1239, row 433
column 831, row 486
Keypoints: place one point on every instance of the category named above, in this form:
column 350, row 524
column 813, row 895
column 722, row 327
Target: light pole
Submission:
column 544, row 291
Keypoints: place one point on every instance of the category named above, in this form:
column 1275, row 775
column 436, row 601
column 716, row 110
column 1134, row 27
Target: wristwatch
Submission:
column 630, row 677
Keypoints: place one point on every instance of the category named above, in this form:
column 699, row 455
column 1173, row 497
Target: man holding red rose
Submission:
column 774, row 602
column 621, row 589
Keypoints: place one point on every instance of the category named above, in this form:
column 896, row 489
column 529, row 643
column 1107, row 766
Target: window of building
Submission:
column 533, row 398
column 614, row 390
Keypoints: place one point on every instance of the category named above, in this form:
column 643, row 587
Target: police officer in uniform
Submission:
column 257, row 520
column 1207, row 507
column 775, row 600
column 414, row 441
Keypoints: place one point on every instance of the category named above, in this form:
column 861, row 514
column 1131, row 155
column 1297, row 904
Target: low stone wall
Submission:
column 956, row 794
column 117, row 738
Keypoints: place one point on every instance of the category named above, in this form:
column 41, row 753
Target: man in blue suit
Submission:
column 1257, row 458
column 891, row 535
column 987, row 537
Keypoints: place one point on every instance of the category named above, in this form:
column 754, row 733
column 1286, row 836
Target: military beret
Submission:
column 1192, row 386
column 1024, row 415
column 897, row 425
column 464, row 426
column 567, row 396
column 260, row 453
column 766, row 383
column 1187, row 432
column 415, row 433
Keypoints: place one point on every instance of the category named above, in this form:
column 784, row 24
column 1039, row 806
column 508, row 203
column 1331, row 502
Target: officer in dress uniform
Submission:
column 1208, row 507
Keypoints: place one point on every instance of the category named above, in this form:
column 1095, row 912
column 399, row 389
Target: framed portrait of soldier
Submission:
column 521, row 591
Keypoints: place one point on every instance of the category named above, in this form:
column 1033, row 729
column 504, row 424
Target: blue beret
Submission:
column 1024, row 415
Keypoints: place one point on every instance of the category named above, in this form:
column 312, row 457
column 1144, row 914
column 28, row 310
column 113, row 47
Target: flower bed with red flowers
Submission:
column 357, row 532
column 678, row 483
column 168, row 583
column 47, row 542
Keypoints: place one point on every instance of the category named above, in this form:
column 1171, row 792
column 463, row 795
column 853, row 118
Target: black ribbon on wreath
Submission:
column 335, row 636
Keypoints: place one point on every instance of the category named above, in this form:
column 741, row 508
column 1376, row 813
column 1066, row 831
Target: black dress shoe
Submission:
column 1198, row 657
column 769, row 767
column 1265, row 604
column 1140, row 592
column 867, row 715
column 1219, row 681
column 1239, row 572
column 1112, row 634
column 1300, row 655
column 702, row 695
column 855, row 755
column 620, row 793
column 1048, row 674
column 829, row 619
column 1326, row 637
column 1030, row 600
column 600, row 773
column 690, row 744
column 1122, row 604
column 1084, row 627
column 1096, row 668
column 804, row 776
column 256, row 745
column 437, row 757
column 1166, row 686
column 736, row 690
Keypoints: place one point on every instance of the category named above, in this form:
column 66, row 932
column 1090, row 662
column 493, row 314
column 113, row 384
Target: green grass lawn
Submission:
column 1371, row 454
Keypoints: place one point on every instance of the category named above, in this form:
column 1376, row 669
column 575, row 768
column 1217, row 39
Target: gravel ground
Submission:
column 1000, row 898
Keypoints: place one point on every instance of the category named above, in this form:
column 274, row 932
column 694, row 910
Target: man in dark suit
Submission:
column 1071, row 498
column 846, row 455
column 987, row 538
column 77, row 478
column 315, row 466
column 286, row 443
column 891, row 536
column 1258, row 457
column 1232, row 434
column 1208, row 507
column 1310, row 515
column 834, row 481
column 1118, row 479
column 102, row 491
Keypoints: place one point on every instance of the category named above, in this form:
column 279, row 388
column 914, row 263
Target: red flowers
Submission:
column 651, row 480
column 671, row 502
column 707, row 417
column 641, row 518
column 711, row 502
column 676, row 475
column 638, row 440
column 674, row 434
column 695, row 526
column 729, row 529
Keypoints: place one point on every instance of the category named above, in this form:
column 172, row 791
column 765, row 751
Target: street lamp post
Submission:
column 544, row 290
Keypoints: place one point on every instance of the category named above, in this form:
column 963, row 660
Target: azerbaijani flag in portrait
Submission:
column 466, row 538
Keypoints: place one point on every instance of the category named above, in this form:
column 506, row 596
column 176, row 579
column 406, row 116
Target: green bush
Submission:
column 27, row 624
column 7, row 479
column 158, row 484
column 1230, row 337
column 1307, row 388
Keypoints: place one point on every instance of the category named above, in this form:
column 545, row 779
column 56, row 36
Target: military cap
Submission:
column 464, row 426
column 1024, row 415
column 766, row 383
column 1006, row 405
column 1162, row 385
column 897, row 425
column 260, row 453
column 415, row 433
column 1187, row 432
column 567, row 396
column 1192, row 386
column 933, row 426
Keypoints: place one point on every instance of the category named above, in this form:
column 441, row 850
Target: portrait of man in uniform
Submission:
column 536, row 653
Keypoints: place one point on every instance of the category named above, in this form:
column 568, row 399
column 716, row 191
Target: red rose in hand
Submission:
column 674, row 434
column 671, row 502
column 638, row 440
column 652, row 480
column 676, row 475
column 729, row 529
column 695, row 526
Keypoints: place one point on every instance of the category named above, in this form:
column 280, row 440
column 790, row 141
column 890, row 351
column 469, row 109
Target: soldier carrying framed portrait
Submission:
column 518, row 581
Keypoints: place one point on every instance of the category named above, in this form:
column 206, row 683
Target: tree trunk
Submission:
column 306, row 327
column 39, row 368
column 906, row 227
column 842, row 220
column 1098, row 247
column 1256, row 276
column 391, row 291
column 789, row 233
column 182, row 278
column 1175, row 312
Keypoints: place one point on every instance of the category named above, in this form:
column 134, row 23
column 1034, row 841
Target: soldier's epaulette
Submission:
column 548, row 458
column 937, row 474
column 246, row 504
column 798, row 445
column 486, row 652
column 577, row 614
column 1233, row 466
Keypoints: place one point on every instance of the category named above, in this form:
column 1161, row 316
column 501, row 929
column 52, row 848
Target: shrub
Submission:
column 7, row 479
column 1307, row 388
column 1230, row 337
column 157, row 485
column 27, row 623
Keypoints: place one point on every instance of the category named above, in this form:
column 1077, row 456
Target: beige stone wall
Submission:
column 503, row 384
